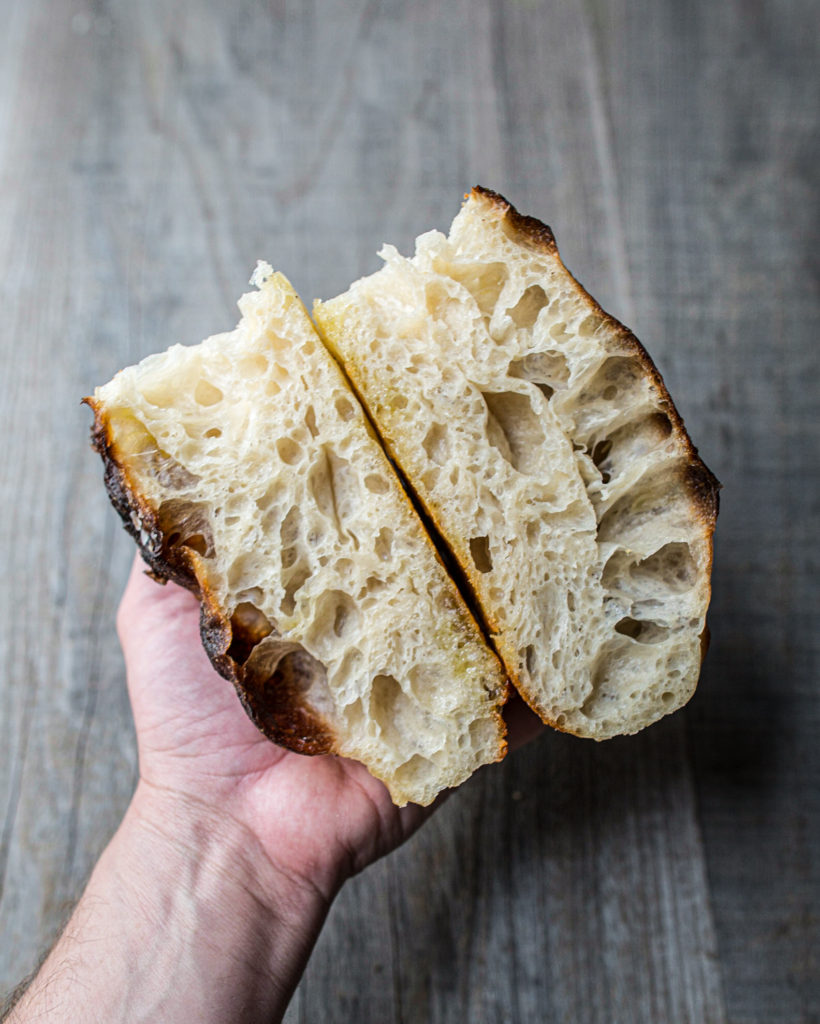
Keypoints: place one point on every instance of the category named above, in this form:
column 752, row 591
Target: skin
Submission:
column 209, row 897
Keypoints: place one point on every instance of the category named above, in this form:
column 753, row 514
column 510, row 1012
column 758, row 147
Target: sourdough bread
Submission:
column 247, row 471
column 542, row 442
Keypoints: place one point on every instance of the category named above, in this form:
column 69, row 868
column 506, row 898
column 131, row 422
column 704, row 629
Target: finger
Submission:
column 145, row 604
column 158, row 626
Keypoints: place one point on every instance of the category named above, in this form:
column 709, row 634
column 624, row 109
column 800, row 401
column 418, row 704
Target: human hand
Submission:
column 318, row 819
column 207, row 901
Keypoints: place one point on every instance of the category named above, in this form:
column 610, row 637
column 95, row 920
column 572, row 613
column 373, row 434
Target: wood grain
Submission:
column 149, row 154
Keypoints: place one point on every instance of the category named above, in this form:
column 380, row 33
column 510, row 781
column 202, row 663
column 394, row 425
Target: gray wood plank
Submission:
column 723, row 179
column 149, row 154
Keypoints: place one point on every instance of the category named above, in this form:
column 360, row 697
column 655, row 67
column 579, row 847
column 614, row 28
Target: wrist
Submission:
column 184, row 918
column 229, row 915
column 211, row 854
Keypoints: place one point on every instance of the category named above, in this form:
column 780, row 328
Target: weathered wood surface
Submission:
column 149, row 154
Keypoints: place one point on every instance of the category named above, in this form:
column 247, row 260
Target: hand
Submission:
column 318, row 819
column 207, row 901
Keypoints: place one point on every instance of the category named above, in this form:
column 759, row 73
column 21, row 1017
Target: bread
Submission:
column 247, row 472
column 541, row 440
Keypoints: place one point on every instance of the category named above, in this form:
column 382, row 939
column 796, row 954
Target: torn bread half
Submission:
column 247, row 471
column 542, row 442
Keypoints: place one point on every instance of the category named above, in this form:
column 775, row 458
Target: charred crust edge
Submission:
column 138, row 515
column 526, row 230
column 276, row 712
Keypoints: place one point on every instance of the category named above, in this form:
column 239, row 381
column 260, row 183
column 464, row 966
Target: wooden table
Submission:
column 149, row 154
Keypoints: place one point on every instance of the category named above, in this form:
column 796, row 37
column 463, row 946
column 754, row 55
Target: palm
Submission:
column 313, row 814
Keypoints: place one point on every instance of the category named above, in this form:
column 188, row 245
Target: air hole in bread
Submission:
column 596, row 701
column 436, row 296
column 344, row 408
column 249, row 626
column 530, row 658
column 213, row 432
column 389, row 704
column 662, row 423
column 139, row 447
column 344, row 567
column 481, row 732
column 435, row 443
column 430, row 476
column 514, row 429
column 372, row 585
column 336, row 615
column 643, row 512
column 327, row 482
column 484, row 281
column 589, row 325
column 349, row 667
column 186, row 524
column 161, row 394
column 622, row 376
column 283, row 675
column 170, row 473
column 620, row 450
column 671, row 566
column 376, row 484
column 132, row 437
column 599, row 454
column 315, row 537
column 289, row 451
column 642, row 631
column 424, row 684
column 310, row 421
column 296, row 579
column 415, row 770
column 525, row 312
column 268, row 497
column 289, row 534
column 198, row 542
column 206, row 394
column 558, row 332
column 384, row 543
column 545, row 369
column 480, row 553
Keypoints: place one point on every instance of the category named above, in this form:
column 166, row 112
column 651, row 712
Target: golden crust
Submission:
column 274, row 700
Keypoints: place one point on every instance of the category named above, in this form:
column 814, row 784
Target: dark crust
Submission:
column 278, row 711
column 702, row 485
column 527, row 231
